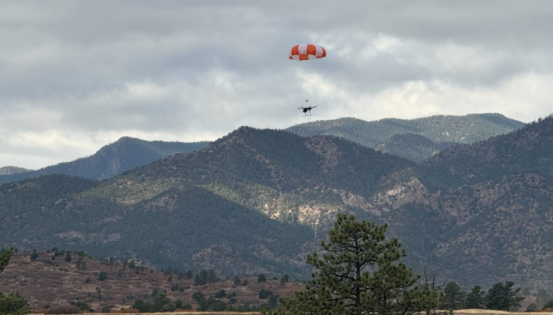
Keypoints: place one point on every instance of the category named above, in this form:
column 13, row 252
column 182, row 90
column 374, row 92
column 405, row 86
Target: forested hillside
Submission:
column 528, row 150
column 259, row 200
column 396, row 135
column 112, row 159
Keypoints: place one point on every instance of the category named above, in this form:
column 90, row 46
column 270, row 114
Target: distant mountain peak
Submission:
column 112, row 159
column 9, row 170
column 441, row 130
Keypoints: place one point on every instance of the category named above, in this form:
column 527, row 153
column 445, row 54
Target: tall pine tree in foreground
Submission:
column 360, row 273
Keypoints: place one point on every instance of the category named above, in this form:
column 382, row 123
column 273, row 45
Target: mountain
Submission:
column 412, row 146
column 260, row 200
column 394, row 135
column 189, row 210
column 9, row 170
column 528, row 150
column 113, row 159
column 496, row 218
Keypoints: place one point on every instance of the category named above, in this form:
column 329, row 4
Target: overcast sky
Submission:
column 77, row 75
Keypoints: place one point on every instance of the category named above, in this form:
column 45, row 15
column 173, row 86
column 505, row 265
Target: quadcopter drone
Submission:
column 307, row 109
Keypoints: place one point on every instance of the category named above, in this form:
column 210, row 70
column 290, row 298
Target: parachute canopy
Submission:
column 307, row 52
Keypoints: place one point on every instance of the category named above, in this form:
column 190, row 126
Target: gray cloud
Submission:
column 77, row 75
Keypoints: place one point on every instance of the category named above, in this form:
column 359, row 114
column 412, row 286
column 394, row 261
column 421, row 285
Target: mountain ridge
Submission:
column 112, row 159
column 175, row 205
column 442, row 130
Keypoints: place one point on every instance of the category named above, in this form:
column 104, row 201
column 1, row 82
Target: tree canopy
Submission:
column 5, row 256
column 360, row 273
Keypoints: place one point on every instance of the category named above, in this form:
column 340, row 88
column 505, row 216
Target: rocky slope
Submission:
column 255, row 200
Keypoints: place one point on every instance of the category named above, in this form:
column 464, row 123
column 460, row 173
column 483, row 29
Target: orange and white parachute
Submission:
column 307, row 52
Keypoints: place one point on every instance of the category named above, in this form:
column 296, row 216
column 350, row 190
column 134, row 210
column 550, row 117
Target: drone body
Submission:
column 307, row 109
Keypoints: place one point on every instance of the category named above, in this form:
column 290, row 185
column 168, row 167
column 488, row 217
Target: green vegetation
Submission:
column 475, row 298
column 453, row 298
column 415, row 139
column 5, row 256
column 413, row 147
column 522, row 151
column 502, row 296
column 161, row 303
column 13, row 304
column 360, row 273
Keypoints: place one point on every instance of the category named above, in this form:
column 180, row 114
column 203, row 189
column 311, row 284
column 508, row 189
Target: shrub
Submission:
column 102, row 276
column 83, row 306
column 66, row 309
column 262, row 278
column 236, row 281
column 142, row 306
column 13, row 303
column 198, row 296
column 284, row 279
column 220, row 294
column 106, row 309
column 264, row 294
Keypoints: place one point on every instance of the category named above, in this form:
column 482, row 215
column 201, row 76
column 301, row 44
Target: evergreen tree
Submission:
column 34, row 255
column 360, row 273
column 132, row 264
column 236, row 280
column 453, row 297
column 212, row 277
column 284, row 279
column 502, row 296
column 102, row 276
column 201, row 278
column 475, row 298
column 12, row 304
column 198, row 296
column 67, row 256
column 5, row 256
column 262, row 278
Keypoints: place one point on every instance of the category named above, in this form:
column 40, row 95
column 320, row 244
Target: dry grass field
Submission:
column 457, row 312
column 496, row 312
column 487, row 312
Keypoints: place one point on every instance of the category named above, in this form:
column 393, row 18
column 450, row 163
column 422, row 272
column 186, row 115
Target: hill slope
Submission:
column 255, row 200
column 67, row 282
column 112, row 159
column 528, row 150
column 440, row 131
column 9, row 170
